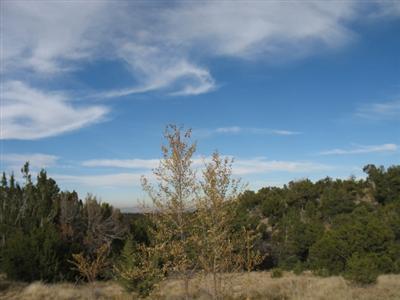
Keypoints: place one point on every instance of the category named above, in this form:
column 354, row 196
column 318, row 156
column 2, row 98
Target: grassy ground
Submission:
column 38, row 290
column 258, row 285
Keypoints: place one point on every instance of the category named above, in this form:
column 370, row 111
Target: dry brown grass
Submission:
column 64, row 291
column 258, row 285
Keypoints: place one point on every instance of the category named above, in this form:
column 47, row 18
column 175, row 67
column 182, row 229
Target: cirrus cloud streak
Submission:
column 363, row 150
column 237, row 130
column 240, row 166
column 15, row 161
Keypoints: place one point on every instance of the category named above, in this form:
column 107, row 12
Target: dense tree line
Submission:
column 349, row 227
column 41, row 227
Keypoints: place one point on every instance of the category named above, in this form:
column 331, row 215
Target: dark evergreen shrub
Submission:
column 362, row 269
column 33, row 256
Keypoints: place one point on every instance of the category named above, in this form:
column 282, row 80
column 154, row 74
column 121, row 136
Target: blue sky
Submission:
column 289, row 89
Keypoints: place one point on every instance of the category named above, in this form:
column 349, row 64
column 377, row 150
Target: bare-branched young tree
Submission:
column 69, row 219
column 217, row 252
column 90, row 267
column 250, row 255
column 173, row 196
column 194, row 220
column 102, row 224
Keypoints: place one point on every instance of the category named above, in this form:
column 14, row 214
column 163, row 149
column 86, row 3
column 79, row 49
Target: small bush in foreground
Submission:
column 137, row 269
column 276, row 273
column 298, row 268
column 89, row 267
column 322, row 272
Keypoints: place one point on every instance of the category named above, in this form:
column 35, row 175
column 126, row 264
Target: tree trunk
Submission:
column 215, row 282
column 186, row 283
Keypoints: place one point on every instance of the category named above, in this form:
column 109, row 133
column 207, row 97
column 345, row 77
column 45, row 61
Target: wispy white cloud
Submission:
column 380, row 111
column 89, row 32
column 262, row 165
column 36, row 160
column 158, row 68
column 235, row 130
column 122, row 163
column 155, row 69
column 136, row 163
column 28, row 113
column 362, row 150
column 232, row 129
column 49, row 36
column 284, row 132
column 163, row 44
column 165, row 47
column 240, row 166
column 101, row 180
column 265, row 29
column 160, row 51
